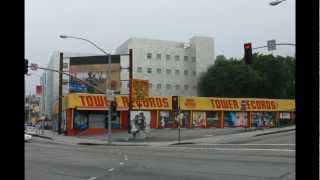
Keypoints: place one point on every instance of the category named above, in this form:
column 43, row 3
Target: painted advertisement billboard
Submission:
column 93, row 69
column 140, row 121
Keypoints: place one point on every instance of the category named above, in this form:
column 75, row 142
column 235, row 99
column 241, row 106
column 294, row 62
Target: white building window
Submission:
column 186, row 72
column 149, row 70
column 168, row 71
column 159, row 56
column 150, row 85
column 139, row 69
column 176, row 57
column 194, row 87
column 149, row 56
column 194, row 73
column 186, row 87
column 168, row 86
column 193, row 59
column 186, row 58
column 177, row 71
column 177, row 87
column 158, row 70
column 158, row 86
column 168, row 57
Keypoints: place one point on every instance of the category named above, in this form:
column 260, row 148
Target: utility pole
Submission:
column 130, row 86
column 60, row 93
column 110, row 100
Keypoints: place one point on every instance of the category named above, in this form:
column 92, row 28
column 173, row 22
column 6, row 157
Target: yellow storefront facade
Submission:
column 84, row 111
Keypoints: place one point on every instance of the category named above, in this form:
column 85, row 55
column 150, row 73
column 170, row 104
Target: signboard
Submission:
column 271, row 45
column 235, row 104
column 140, row 89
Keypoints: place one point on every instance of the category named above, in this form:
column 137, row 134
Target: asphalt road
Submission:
column 263, row 157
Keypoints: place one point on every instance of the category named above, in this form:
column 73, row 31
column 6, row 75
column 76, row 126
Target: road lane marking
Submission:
column 247, row 144
column 231, row 149
column 111, row 169
column 92, row 178
column 121, row 163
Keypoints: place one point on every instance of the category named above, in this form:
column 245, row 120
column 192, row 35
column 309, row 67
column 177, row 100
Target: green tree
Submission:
column 267, row 77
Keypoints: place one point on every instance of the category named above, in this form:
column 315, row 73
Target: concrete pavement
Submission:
column 165, row 137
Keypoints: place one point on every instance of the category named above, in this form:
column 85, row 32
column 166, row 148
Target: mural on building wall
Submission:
column 260, row 119
column 242, row 119
column 140, row 121
column 199, row 119
column 165, row 119
column 230, row 118
column 92, row 69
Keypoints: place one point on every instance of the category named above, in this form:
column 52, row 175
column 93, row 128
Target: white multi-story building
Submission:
column 172, row 68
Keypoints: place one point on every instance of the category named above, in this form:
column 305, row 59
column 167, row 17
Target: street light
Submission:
column 274, row 3
column 109, row 76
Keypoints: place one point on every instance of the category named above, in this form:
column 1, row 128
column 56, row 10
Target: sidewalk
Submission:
column 165, row 137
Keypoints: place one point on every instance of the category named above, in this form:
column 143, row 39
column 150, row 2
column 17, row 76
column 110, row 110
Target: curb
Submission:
column 45, row 137
column 106, row 144
column 275, row 132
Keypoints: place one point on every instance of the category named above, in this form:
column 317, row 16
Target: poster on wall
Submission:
column 257, row 119
column 230, row 119
column 165, row 119
column 242, row 119
column 185, row 119
column 199, row 119
column 140, row 121
column 268, row 118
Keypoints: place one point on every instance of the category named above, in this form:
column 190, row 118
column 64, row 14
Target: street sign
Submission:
column 140, row 89
column 271, row 45
column 110, row 95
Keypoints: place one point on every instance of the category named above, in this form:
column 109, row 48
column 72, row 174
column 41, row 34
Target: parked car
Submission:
column 31, row 130
column 27, row 137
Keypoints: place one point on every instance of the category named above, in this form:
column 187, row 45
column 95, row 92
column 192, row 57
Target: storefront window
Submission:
column 257, row 119
column 213, row 118
column 97, row 120
column 185, row 119
column 284, row 119
column 166, row 119
column 80, row 120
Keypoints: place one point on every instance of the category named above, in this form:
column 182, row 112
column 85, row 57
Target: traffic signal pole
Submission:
column 60, row 93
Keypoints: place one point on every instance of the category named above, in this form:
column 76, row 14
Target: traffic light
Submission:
column 248, row 53
column 26, row 64
column 175, row 103
column 113, row 106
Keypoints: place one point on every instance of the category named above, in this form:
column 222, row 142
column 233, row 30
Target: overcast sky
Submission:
column 109, row 23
